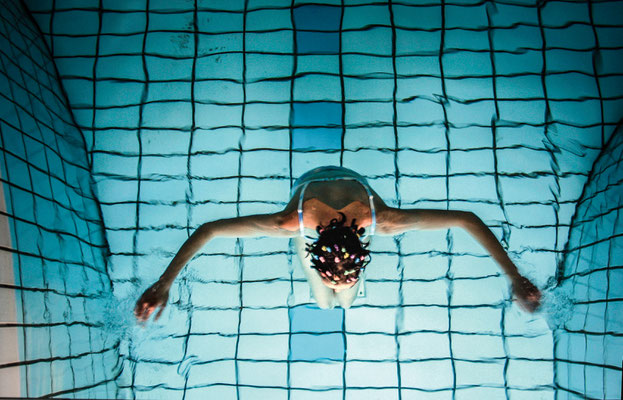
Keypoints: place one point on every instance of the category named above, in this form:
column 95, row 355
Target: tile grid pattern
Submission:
column 589, row 347
column 416, row 85
column 61, row 284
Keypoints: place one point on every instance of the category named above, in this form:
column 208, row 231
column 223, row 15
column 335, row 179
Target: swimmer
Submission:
column 332, row 214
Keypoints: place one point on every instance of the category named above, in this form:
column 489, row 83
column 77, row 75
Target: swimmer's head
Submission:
column 338, row 255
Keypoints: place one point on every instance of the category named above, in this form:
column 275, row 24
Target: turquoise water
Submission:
column 127, row 124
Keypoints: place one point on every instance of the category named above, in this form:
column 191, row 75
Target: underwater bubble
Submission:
column 119, row 317
column 556, row 305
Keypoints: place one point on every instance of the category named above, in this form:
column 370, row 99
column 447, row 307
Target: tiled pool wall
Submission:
column 194, row 111
column 589, row 348
column 53, row 337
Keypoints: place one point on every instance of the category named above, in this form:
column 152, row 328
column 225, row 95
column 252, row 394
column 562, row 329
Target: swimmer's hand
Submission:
column 156, row 296
column 528, row 295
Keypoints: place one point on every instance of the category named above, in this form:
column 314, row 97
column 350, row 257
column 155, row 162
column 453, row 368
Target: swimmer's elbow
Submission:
column 204, row 232
column 287, row 222
column 250, row 226
column 468, row 220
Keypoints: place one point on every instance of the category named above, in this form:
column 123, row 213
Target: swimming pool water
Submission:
column 127, row 124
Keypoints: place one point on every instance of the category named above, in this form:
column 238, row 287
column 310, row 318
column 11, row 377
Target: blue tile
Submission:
column 316, row 345
column 317, row 114
column 313, row 319
column 306, row 347
column 317, row 43
column 324, row 24
column 317, row 18
column 319, row 138
column 326, row 120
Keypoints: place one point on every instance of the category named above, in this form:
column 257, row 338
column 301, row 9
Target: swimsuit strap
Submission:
column 300, row 210
column 372, row 226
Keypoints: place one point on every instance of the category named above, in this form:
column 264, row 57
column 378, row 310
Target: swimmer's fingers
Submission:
column 139, row 309
column 143, row 311
column 528, row 305
column 142, row 304
column 528, row 295
column 155, row 296
column 533, row 294
column 159, row 312
column 142, row 319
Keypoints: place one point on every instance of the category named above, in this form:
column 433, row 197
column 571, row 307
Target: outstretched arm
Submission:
column 249, row 226
column 394, row 221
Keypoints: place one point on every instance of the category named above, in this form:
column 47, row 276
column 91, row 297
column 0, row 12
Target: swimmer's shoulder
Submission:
column 289, row 220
